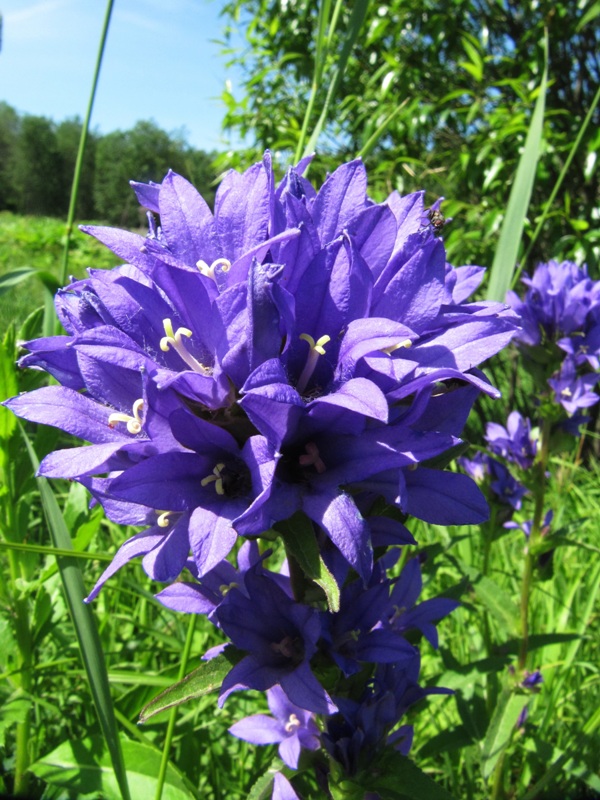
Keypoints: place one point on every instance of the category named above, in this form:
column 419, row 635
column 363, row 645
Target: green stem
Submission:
column 25, row 681
column 320, row 55
column 187, row 648
column 527, row 582
column 82, row 143
column 498, row 784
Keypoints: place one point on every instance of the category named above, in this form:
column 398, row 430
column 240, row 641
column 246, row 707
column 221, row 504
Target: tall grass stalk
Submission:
column 85, row 626
column 173, row 714
column 82, row 143
column 505, row 258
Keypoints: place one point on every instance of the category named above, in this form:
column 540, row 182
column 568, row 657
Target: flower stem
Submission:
column 24, row 677
column 162, row 774
column 527, row 582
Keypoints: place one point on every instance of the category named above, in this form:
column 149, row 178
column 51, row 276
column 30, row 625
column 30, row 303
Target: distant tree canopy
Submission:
column 436, row 96
column 37, row 162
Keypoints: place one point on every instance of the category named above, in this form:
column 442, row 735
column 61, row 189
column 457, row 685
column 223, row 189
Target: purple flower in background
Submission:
column 561, row 299
column 528, row 524
column 507, row 489
column 532, row 680
column 572, row 391
column 476, row 467
column 516, row 443
column 291, row 727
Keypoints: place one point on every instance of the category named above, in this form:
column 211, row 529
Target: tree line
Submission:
column 37, row 162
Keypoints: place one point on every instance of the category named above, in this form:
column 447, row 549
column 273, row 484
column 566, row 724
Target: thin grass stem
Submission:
column 82, row 143
column 173, row 714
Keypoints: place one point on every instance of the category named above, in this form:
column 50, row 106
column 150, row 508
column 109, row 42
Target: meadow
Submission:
column 364, row 356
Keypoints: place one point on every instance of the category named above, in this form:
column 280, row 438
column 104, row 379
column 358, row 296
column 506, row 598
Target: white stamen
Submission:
column 389, row 350
column 209, row 272
column 316, row 349
column 292, row 724
column 163, row 520
column 173, row 340
column 215, row 478
column 134, row 423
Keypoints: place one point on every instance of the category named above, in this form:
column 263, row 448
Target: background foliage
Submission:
column 436, row 96
column 37, row 161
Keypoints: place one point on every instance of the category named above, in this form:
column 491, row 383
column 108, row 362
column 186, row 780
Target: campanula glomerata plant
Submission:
column 273, row 386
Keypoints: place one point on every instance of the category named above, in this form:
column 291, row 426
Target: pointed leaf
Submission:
column 205, row 679
column 501, row 729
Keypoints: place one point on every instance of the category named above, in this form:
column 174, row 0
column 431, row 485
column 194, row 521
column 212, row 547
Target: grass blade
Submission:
column 359, row 12
column 505, row 259
column 82, row 143
column 85, row 626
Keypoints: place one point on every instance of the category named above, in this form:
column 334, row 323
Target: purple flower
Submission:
column 356, row 634
column 532, row 680
column 561, row 300
column 357, row 733
column 290, row 726
column 282, row 788
column 571, row 391
column 507, row 489
column 516, row 443
column 407, row 613
column 527, row 525
column 280, row 637
column 299, row 350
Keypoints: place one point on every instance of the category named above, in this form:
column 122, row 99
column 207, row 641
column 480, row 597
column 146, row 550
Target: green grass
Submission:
column 38, row 242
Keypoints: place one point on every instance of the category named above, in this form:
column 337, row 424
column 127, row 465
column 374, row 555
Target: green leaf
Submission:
column 13, row 712
column 300, row 541
column 501, row 729
column 205, row 679
column 263, row 787
column 8, row 388
column 590, row 14
column 495, row 599
column 84, row 766
column 394, row 777
column 14, row 277
column 84, row 624
column 505, row 259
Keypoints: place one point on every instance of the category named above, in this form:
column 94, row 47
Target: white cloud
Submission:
column 35, row 21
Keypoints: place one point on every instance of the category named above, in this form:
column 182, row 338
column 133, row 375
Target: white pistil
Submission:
column 163, row 520
column 215, row 478
column 292, row 724
column 316, row 349
column 566, row 392
column 389, row 350
column 209, row 272
column 173, row 339
column 134, row 423
column 312, row 458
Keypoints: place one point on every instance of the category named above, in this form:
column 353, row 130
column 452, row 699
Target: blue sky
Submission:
column 161, row 62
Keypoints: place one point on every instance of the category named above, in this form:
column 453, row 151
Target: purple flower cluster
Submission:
column 294, row 352
column 560, row 319
column 517, row 446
